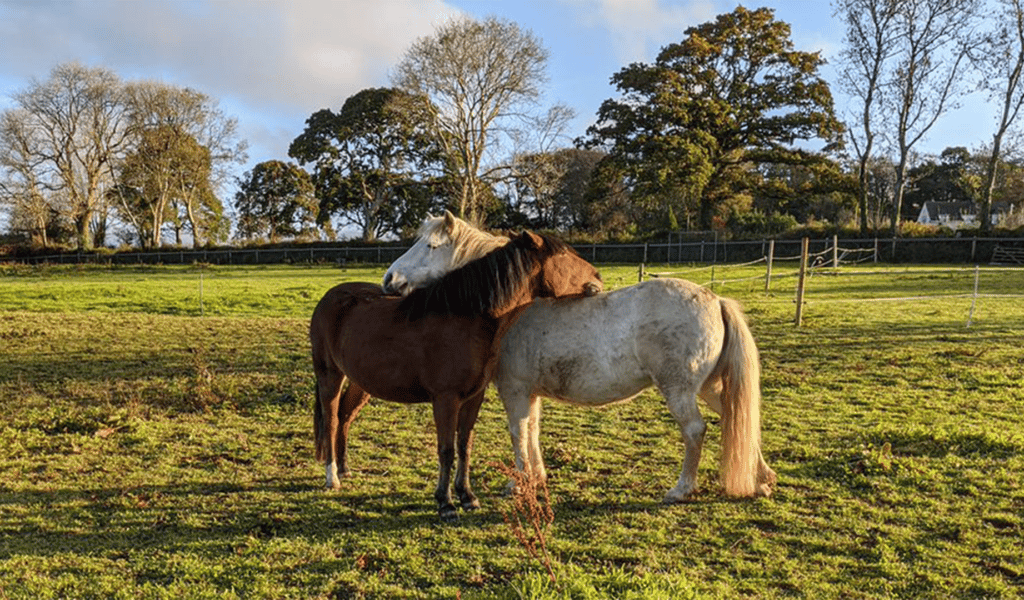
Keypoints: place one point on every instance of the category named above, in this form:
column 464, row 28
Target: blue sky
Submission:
column 272, row 63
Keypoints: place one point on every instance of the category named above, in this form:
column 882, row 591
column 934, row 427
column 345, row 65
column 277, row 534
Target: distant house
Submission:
column 955, row 215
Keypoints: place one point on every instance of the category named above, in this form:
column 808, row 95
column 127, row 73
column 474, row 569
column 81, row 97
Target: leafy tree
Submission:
column 368, row 160
column 805, row 192
column 954, row 177
column 733, row 95
column 166, row 165
column 881, row 191
column 607, row 208
column 276, row 200
column 481, row 77
column 192, row 124
column 66, row 140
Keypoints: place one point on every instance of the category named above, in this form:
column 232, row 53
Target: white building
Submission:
column 955, row 215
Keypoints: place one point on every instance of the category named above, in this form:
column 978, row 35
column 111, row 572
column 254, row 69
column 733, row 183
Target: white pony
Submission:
column 667, row 333
column 609, row 347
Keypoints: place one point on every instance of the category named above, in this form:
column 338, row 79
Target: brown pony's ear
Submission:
column 449, row 221
column 533, row 241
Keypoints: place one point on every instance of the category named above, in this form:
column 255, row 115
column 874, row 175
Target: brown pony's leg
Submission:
column 445, row 420
column 328, row 394
column 353, row 400
column 467, row 418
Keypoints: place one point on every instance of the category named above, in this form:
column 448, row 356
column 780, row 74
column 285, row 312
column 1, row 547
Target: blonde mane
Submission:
column 469, row 242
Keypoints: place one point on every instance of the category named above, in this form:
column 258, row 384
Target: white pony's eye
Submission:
column 437, row 241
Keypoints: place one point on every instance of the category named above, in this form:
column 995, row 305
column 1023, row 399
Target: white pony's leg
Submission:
column 518, row 410
column 683, row 407
column 536, row 457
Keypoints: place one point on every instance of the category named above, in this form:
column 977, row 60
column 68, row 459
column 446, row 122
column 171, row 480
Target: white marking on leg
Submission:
column 331, row 469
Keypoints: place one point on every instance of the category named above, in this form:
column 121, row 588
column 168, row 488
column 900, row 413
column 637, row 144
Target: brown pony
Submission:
column 437, row 344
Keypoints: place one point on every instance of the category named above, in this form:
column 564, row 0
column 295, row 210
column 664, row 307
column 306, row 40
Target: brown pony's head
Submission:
column 564, row 273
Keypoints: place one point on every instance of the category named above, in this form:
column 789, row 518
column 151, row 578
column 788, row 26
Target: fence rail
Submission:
column 889, row 250
column 828, row 261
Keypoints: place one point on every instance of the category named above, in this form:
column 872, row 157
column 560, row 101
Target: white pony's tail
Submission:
column 740, row 369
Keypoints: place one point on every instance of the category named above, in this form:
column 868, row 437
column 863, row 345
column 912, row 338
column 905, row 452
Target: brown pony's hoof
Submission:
column 473, row 504
column 448, row 514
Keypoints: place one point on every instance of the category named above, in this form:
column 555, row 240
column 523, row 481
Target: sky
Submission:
column 273, row 63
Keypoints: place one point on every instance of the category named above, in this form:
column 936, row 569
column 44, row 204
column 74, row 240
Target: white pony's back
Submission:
column 609, row 348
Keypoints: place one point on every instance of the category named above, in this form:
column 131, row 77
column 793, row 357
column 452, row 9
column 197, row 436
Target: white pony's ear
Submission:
column 449, row 221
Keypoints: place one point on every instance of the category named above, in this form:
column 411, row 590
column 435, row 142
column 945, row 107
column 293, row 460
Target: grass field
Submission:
column 156, row 442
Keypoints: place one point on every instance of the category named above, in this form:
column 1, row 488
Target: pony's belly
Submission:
column 591, row 382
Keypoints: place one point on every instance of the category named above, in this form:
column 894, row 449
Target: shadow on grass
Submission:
column 202, row 518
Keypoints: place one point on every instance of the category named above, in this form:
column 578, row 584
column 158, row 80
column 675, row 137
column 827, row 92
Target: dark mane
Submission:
column 486, row 284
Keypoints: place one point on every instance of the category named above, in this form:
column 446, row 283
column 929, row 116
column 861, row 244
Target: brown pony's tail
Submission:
column 740, row 368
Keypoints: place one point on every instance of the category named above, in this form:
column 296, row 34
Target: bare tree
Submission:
column 70, row 128
column 30, row 204
column 480, row 76
column 1001, row 61
column 927, row 78
column 193, row 119
column 870, row 44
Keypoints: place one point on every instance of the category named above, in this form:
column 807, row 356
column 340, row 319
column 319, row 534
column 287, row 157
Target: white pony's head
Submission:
column 443, row 244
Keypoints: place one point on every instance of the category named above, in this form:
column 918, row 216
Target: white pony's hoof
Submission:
column 676, row 497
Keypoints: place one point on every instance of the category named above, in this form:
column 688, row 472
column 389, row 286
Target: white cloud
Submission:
column 271, row 63
column 290, row 54
column 640, row 28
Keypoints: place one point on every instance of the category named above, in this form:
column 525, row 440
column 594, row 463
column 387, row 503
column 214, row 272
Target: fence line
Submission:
column 819, row 265
column 917, row 250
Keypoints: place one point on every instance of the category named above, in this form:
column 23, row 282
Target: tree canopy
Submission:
column 732, row 95
column 276, row 200
column 374, row 162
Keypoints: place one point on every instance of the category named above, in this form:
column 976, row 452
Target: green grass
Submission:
column 148, row 452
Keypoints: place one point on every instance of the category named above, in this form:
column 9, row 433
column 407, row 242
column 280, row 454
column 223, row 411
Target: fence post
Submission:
column 835, row 251
column 800, row 283
column 768, row 273
column 876, row 250
column 974, row 298
column 640, row 274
